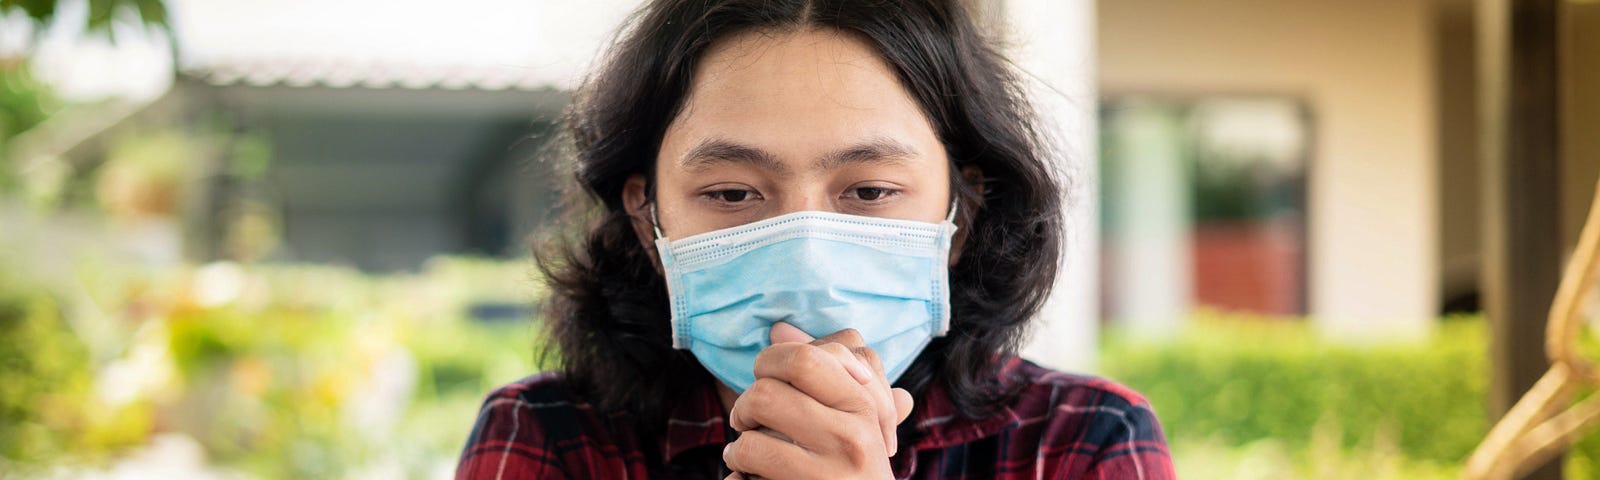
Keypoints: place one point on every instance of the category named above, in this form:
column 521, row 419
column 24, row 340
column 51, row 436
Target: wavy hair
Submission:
column 607, row 310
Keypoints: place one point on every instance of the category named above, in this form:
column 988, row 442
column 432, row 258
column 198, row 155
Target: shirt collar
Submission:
column 698, row 420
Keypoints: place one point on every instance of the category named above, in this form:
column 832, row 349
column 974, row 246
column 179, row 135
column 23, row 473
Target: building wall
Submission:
column 1365, row 69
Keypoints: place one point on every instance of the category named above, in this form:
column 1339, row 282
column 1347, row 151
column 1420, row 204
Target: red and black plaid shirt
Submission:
column 1060, row 426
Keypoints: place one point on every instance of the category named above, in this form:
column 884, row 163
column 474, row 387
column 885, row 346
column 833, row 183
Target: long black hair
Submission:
column 607, row 310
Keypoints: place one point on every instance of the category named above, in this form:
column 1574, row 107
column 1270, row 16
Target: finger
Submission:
column 776, row 434
column 870, row 358
column 782, row 332
column 756, row 453
column 903, row 403
column 857, row 368
column 882, row 398
column 850, row 338
column 883, row 401
column 817, row 373
column 876, row 388
column 779, row 410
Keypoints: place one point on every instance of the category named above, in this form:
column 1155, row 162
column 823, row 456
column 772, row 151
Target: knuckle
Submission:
column 734, row 455
column 837, row 349
column 760, row 394
column 867, row 354
column 850, row 336
column 739, row 416
column 810, row 359
column 857, row 443
column 862, row 403
column 768, row 355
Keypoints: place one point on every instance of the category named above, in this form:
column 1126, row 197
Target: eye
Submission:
column 732, row 195
column 870, row 194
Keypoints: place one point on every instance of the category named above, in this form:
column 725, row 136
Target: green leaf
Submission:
column 153, row 13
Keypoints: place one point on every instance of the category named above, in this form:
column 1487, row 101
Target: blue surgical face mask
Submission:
column 821, row 272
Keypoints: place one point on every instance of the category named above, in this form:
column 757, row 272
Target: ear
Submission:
column 971, row 180
column 973, row 176
column 636, row 200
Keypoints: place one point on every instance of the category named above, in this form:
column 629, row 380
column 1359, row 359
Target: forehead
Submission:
column 798, row 94
column 823, row 61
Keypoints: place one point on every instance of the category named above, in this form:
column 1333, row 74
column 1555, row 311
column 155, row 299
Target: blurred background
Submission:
column 252, row 239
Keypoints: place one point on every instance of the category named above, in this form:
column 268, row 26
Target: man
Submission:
column 825, row 225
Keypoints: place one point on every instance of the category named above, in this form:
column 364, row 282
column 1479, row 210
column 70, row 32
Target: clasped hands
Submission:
column 819, row 408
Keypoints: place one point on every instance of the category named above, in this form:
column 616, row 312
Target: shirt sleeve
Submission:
column 507, row 442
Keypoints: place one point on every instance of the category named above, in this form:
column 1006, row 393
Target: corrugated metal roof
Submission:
column 378, row 75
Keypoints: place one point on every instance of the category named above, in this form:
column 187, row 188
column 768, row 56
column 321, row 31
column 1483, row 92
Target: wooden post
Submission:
column 1519, row 87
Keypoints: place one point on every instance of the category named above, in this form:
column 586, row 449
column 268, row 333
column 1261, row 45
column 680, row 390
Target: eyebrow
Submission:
column 718, row 150
column 874, row 150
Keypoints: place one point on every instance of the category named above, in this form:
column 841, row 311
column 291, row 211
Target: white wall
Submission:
column 1053, row 41
column 1365, row 69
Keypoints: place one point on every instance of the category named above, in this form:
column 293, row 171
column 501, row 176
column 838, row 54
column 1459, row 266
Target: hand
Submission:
column 819, row 408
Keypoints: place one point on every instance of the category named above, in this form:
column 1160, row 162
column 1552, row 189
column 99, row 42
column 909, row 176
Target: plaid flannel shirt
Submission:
column 1060, row 426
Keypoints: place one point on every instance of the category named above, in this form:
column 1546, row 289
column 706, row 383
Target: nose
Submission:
column 808, row 201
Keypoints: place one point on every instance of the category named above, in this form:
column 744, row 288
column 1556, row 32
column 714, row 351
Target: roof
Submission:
column 395, row 44
column 376, row 74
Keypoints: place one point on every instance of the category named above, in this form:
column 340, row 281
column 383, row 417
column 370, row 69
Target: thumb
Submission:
column 902, row 404
column 786, row 333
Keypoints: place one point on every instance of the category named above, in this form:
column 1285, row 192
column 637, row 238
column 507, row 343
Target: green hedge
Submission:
column 1240, row 382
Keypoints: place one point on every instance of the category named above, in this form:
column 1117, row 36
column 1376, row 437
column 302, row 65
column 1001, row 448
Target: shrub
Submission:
column 46, row 401
column 1240, row 382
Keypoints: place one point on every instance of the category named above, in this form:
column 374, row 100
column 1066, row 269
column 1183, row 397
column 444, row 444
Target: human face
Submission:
column 776, row 123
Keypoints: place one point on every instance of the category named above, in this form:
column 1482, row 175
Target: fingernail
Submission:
column 860, row 371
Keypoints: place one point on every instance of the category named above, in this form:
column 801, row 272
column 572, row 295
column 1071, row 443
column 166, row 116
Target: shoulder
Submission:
column 1043, row 390
column 531, row 428
column 1103, row 428
column 539, row 391
column 536, row 409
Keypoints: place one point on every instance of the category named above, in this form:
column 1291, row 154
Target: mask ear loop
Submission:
column 655, row 222
column 948, row 218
